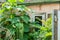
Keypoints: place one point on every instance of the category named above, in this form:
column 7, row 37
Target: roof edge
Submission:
column 34, row 3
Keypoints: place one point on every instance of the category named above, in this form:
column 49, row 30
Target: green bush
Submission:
column 46, row 30
column 14, row 17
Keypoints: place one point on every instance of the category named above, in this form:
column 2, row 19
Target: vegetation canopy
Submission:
column 15, row 22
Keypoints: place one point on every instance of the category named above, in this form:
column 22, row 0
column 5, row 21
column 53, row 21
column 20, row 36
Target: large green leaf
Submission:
column 25, row 19
column 19, row 25
column 26, row 28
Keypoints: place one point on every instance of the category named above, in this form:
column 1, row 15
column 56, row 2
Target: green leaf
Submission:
column 26, row 37
column 3, row 4
column 11, row 1
column 48, row 34
column 35, row 25
column 25, row 19
column 21, row 0
column 26, row 28
column 20, row 29
column 14, row 20
column 43, row 28
column 1, row 39
column 21, row 7
column 19, row 25
column 12, row 31
column 11, row 16
column 1, row 11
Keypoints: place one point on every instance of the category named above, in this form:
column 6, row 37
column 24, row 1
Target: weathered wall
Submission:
column 44, row 8
column 48, row 8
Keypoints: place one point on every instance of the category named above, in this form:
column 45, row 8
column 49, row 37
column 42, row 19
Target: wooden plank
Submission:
column 55, row 25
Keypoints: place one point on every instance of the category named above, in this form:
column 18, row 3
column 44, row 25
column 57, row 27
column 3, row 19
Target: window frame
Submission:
column 39, row 14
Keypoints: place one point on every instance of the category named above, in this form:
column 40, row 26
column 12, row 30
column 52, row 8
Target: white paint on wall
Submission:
column 2, row 0
column 53, row 25
column 58, row 25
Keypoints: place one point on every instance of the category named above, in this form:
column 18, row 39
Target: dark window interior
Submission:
column 49, row 15
column 38, row 21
